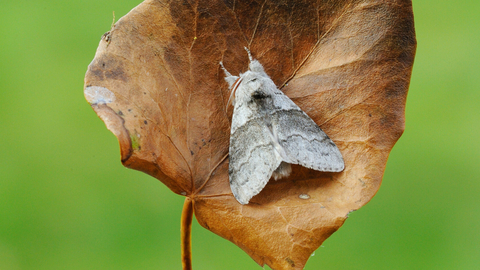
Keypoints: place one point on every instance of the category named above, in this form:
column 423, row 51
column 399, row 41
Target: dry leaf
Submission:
column 157, row 84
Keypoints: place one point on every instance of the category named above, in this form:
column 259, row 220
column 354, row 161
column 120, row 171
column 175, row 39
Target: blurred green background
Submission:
column 66, row 202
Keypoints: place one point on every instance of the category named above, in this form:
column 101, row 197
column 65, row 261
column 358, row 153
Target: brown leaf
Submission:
column 157, row 84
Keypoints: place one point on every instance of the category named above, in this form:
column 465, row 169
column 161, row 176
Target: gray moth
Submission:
column 269, row 132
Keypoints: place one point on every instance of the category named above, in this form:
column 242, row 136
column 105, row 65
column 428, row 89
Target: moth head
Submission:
column 254, row 86
column 252, row 82
column 248, row 85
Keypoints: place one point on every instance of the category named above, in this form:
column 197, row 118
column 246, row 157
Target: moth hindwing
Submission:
column 269, row 132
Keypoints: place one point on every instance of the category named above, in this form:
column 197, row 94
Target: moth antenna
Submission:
column 249, row 54
column 229, row 77
column 254, row 65
column 224, row 69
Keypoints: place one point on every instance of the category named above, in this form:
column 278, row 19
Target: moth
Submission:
column 269, row 132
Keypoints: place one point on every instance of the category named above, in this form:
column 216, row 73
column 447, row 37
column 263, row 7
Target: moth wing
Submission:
column 303, row 141
column 252, row 159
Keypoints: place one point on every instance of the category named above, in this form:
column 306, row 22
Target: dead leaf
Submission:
column 157, row 84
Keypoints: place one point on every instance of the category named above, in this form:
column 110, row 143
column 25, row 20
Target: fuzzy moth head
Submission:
column 250, row 86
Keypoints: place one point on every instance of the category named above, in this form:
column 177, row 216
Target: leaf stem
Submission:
column 186, row 229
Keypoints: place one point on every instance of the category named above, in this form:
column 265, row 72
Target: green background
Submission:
column 66, row 202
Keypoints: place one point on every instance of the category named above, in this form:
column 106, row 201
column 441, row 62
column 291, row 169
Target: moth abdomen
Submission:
column 283, row 170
